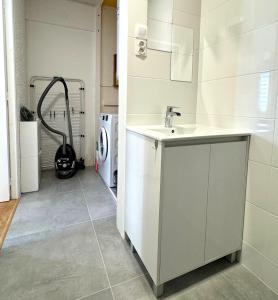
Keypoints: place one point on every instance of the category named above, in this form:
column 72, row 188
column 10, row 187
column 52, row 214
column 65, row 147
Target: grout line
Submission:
column 128, row 280
column 238, row 116
column 235, row 35
column 235, row 76
column 105, row 217
column 256, row 275
column 101, row 255
column 259, row 278
column 83, row 297
column 48, row 230
column 263, row 209
column 260, row 253
column 214, row 8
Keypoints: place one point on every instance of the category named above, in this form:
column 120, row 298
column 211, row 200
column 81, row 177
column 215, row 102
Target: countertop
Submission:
column 195, row 131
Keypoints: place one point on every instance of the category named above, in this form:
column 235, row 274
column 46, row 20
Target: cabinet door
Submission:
column 226, row 199
column 184, row 188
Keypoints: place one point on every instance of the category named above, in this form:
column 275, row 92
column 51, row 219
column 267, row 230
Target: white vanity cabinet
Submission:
column 185, row 201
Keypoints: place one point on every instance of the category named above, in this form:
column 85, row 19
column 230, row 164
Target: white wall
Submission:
column 150, row 89
column 238, row 87
column 61, row 40
column 4, row 154
column 145, row 86
column 109, row 93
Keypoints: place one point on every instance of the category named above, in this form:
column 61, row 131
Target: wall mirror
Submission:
column 165, row 35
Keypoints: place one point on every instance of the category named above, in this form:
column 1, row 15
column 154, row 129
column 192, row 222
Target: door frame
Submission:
column 13, row 105
column 4, row 123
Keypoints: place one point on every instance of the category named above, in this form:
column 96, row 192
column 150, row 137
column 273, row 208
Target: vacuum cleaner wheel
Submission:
column 65, row 164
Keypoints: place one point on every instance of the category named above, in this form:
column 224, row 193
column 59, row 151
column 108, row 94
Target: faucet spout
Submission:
column 170, row 113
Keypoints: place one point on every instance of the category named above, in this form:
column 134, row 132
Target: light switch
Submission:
column 140, row 31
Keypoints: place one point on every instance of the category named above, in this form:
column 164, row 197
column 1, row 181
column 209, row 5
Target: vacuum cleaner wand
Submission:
column 44, row 94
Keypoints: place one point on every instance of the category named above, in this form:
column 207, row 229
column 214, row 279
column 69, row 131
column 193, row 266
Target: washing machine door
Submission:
column 102, row 144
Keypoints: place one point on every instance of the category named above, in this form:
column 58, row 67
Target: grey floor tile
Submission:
column 100, row 205
column 61, row 264
column 217, row 281
column 103, row 295
column 248, row 285
column 95, row 188
column 197, row 277
column 50, row 184
column 89, row 178
column 216, row 288
column 68, row 185
column 136, row 289
column 120, row 262
column 37, row 212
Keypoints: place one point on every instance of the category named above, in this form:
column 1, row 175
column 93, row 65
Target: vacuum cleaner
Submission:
column 66, row 164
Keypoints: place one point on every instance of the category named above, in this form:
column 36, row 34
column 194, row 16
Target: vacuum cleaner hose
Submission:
column 39, row 112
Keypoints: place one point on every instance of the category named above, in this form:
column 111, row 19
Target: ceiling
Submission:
column 112, row 3
column 90, row 2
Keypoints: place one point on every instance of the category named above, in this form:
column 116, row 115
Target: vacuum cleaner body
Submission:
column 66, row 164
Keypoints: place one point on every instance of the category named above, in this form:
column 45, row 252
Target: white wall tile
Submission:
column 260, row 266
column 238, row 89
column 181, row 66
column 187, row 20
column 159, row 35
column 272, row 199
column 257, row 233
column 154, row 119
column 152, row 96
column 262, row 132
column 155, row 65
column 137, row 14
column 275, row 146
column 240, row 55
column 262, row 139
column 251, row 95
column 230, row 18
column 189, row 6
column 208, row 5
column 161, row 10
column 235, row 18
column 182, row 39
column 150, row 89
column 258, row 184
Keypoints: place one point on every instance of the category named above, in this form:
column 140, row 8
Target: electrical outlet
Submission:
column 140, row 48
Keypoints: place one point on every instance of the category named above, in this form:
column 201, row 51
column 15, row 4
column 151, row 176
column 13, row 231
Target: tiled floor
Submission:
column 63, row 244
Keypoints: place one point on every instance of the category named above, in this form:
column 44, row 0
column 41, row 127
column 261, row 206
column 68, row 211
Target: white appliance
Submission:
column 30, row 156
column 108, row 148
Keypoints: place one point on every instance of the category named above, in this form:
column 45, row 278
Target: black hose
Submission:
column 57, row 79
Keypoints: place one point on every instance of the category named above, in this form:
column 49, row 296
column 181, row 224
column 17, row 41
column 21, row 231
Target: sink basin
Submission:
column 174, row 130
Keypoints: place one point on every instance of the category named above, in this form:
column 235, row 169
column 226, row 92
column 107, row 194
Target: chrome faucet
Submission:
column 169, row 116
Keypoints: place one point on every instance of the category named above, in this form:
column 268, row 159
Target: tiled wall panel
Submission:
column 238, row 88
column 150, row 89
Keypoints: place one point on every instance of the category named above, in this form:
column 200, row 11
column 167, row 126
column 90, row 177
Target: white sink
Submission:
column 178, row 130
column 184, row 132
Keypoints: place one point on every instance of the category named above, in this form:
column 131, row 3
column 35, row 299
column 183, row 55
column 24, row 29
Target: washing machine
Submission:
column 108, row 148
